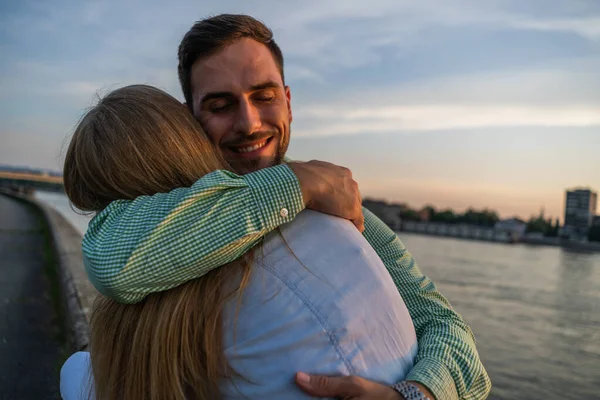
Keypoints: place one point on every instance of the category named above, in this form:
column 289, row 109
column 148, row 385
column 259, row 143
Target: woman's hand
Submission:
column 345, row 387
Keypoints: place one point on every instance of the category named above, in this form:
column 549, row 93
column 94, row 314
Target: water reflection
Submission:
column 535, row 312
column 61, row 203
column 575, row 286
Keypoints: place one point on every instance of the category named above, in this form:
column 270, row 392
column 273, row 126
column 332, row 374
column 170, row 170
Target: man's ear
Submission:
column 288, row 96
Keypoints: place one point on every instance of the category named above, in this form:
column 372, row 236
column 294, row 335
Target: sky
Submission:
column 462, row 103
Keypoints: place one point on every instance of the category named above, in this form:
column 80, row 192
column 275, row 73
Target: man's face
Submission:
column 241, row 102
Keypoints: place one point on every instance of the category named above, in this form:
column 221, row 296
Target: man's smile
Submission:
column 252, row 149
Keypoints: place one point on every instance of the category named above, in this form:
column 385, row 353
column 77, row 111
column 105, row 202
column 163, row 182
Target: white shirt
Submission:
column 328, row 306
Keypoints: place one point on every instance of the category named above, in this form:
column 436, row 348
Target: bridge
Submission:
column 27, row 182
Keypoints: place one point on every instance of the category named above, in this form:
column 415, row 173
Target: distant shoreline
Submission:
column 541, row 242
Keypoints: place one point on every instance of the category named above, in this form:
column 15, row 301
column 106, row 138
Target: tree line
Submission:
column 484, row 217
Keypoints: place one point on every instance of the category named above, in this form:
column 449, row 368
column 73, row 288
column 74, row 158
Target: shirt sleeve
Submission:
column 447, row 361
column 153, row 243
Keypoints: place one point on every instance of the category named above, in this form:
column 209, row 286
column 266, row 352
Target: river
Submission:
column 535, row 311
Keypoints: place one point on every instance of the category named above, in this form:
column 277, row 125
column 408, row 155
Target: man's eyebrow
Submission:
column 265, row 85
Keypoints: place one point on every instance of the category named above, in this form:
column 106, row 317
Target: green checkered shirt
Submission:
column 154, row 243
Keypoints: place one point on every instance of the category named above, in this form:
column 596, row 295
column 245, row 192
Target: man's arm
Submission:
column 447, row 361
column 154, row 243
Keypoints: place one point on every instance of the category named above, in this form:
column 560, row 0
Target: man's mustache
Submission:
column 242, row 140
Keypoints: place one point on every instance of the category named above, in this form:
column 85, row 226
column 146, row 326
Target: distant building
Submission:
column 388, row 213
column 596, row 221
column 580, row 209
column 514, row 228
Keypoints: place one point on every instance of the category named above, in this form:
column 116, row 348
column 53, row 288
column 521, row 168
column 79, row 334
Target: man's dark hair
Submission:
column 213, row 34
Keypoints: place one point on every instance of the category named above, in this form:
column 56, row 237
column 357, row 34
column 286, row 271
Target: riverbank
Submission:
column 486, row 234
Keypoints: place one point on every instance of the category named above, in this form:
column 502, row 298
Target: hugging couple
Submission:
column 227, row 271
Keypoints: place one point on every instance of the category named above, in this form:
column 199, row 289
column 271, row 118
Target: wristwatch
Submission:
column 410, row 391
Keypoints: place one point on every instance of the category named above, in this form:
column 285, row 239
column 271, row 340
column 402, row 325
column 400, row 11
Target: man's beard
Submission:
column 246, row 166
column 242, row 167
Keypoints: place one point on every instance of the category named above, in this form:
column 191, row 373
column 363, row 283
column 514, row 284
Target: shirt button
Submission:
column 284, row 212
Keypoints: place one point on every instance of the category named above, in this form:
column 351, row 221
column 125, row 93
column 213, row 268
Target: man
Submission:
column 231, row 73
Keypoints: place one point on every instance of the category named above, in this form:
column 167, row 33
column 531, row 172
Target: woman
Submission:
column 243, row 330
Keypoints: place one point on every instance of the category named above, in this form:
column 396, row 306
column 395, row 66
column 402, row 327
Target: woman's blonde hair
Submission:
column 138, row 141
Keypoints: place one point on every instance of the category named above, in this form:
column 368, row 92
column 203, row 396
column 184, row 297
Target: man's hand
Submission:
column 330, row 189
column 345, row 387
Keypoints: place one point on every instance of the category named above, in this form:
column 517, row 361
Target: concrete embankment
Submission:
column 77, row 294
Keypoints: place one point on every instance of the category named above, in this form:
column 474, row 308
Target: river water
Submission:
column 535, row 311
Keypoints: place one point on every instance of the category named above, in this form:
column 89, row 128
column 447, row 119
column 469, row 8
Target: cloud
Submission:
column 587, row 27
column 348, row 34
column 297, row 72
column 70, row 50
column 565, row 96
column 409, row 119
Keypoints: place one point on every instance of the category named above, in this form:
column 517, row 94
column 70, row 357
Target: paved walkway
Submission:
column 30, row 348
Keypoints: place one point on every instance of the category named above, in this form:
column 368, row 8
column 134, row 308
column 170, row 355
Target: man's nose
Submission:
column 248, row 118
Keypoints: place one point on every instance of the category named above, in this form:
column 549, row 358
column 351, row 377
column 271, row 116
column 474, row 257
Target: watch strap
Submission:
column 410, row 391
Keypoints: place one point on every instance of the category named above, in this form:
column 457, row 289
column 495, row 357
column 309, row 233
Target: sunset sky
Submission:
column 483, row 103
